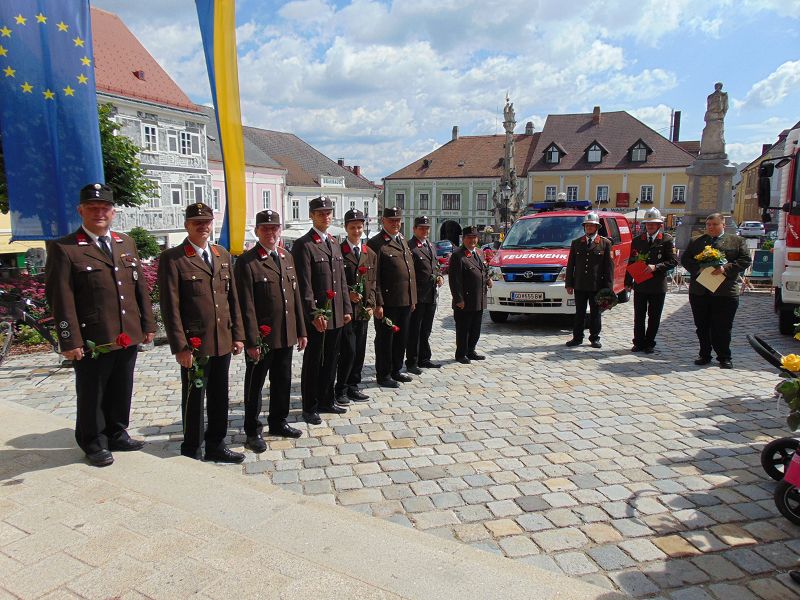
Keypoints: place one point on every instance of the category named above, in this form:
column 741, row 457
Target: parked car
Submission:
column 444, row 248
column 752, row 229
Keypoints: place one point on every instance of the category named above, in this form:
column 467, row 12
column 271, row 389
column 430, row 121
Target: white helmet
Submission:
column 652, row 215
column 591, row 219
column 562, row 196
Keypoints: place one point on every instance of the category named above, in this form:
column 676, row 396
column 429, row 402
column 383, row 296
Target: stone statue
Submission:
column 713, row 140
column 509, row 116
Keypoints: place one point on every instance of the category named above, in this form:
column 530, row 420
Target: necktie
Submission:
column 589, row 242
column 276, row 260
column 328, row 242
column 105, row 246
column 208, row 261
column 650, row 239
column 357, row 252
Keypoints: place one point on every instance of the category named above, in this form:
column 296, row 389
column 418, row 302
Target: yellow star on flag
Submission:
column 20, row 20
column 3, row 51
column 48, row 95
column 86, row 61
column 27, row 88
column 68, row 91
column 78, row 41
column 9, row 72
column 62, row 26
column 40, row 18
column 82, row 78
column 5, row 32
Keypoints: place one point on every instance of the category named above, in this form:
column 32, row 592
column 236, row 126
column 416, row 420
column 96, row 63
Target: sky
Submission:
column 382, row 83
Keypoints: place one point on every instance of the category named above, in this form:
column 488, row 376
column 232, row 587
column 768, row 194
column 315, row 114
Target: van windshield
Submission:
column 545, row 232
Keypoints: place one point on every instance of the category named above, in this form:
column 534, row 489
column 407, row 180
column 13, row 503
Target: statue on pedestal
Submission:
column 713, row 139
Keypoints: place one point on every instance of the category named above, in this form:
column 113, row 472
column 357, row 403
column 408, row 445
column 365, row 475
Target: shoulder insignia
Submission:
column 82, row 239
column 644, row 237
column 189, row 250
column 386, row 237
column 115, row 236
column 346, row 248
column 363, row 248
column 281, row 254
column 659, row 237
column 215, row 250
column 315, row 237
column 262, row 253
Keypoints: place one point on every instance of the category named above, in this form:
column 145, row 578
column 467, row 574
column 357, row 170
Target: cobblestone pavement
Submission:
column 639, row 473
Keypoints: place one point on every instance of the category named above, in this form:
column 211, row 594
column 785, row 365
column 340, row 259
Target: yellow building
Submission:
column 12, row 254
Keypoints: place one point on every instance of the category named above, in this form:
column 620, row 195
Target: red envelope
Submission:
column 639, row 271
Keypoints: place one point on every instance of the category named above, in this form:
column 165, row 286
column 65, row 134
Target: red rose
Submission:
column 362, row 269
column 265, row 330
column 395, row 328
column 330, row 294
column 195, row 342
column 123, row 340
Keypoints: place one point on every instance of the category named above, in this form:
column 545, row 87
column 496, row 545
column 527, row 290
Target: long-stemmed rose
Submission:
column 263, row 346
column 326, row 312
column 196, row 371
column 360, row 287
column 123, row 340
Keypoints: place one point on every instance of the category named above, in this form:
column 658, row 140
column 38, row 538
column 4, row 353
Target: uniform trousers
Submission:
column 713, row 317
column 104, row 386
column 419, row 333
column 351, row 356
column 468, row 330
column 215, row 394
column 390, row 347
column 319, row 368
column 646, row 306
column 581, row 300
column 278, row 363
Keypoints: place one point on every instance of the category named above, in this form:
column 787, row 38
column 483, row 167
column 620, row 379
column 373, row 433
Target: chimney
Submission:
column 357, row 170
column 529, row 128
column 341, row 162
column 676, row 126
column 455, row 132
column 765, row 148
column 596, row 115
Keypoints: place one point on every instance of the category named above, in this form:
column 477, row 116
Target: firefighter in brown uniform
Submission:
column 266, row 281
column 320, row 274
column 469, row 279
column 589, row 270
column 199, row 300
column 95, row 288
column 657, row 250
column 395, row 298
column 359, row 265
column 429, row 280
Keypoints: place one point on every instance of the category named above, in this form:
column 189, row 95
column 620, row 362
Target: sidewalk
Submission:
column 168, row 527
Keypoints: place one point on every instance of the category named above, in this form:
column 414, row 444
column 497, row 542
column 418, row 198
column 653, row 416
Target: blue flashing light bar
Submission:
column 572, row 204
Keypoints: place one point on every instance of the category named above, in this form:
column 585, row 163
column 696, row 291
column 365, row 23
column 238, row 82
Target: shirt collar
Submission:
column 275, row 249
column 200, row 250
column 354, row 246
column 322, row 235
column 591, row 237
column 93, row 236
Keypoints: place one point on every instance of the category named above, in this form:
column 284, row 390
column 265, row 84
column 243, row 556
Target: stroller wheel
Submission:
column 787, row 499
column 776, row 455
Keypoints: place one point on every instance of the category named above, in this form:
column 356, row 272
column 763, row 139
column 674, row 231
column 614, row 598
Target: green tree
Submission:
column 146, row 244
column 123, row 171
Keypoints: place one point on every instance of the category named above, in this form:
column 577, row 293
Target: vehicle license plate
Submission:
column 527, row 295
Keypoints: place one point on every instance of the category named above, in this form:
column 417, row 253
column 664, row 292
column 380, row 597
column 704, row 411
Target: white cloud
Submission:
column 773, row 89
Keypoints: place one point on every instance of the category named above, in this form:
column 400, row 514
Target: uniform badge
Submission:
column 294, row 285
column 63, row 324
column 82, row 239
column 135, row 275
column 65, row 334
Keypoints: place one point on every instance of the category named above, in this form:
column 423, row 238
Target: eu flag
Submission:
column 48, row 113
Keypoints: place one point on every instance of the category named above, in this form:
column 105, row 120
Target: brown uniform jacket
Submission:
column 395, row 283
column 195, row 303
column 426, row 269
column 269, row 297
column 590, row 270
column 319, row 269
column 736, row 253
column 469, row 278
column 366, row 259
column 94, row 297
column 660, row 256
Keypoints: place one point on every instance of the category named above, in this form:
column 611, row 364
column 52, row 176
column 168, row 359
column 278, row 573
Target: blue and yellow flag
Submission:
column 48, row 113
column 218, row 28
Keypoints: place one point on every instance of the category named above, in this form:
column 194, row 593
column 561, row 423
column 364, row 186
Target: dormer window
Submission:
column 595, row 152
column 553, row 154
column 639, row 151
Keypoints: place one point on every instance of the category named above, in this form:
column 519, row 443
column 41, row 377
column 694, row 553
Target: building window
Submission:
column 155, row 199
column 639, row 153
column 149, row 138
column 572, row 193
column 352, row 204
column 550, row 193
column 295, row 209
column 266, row 199
column 424, row 201
column 215, row 199
column 190, row 143
column 646, row 194
column 198, row 193
column 602, row 194
column 553, row 155
column 400, row 199
column 451, row 201
column 679, row 194
column 188, row 192
column 483, row 201
column 177, row 198
column 594, row 154
column 366, row 208
column 172, row 140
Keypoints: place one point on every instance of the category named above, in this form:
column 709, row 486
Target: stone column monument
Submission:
column 710, row 175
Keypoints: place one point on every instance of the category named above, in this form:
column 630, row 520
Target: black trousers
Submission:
column 390, row 347
column 595, row 325
column 319, row 368
column 278, row 363
column 468, row 330
column 646, row 307
column 713, row 317
column 351, row 356
column 104, row 386
column 215, row 394
column 419, row 334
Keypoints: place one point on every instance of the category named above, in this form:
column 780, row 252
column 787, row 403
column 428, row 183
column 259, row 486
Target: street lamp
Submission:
column 505, row 195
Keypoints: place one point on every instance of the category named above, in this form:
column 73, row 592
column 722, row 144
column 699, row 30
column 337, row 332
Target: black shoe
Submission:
column 343, row 400
column 649, row 350
column 725, row 363
column 126, row 445
column 636, row 348
column 332, row 410
column 702, row 360
column 574, row 342
column 193, row 454
column 224, row 455
column 795, row 575
column 255, row 443
column 430, row 365
column 312, row 418
column 285, row 430
column 414, row 370
column 357, row 396
column 101, row 458
column 463, row 360
column 475, row 356
column 388, row 383
column 401, row 377
column 596, row 344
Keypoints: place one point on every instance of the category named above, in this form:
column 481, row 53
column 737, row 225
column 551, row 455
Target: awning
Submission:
column 9, row 247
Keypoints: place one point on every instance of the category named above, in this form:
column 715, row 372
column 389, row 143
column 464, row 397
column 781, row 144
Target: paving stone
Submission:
column 610, row 557
column 534, row 522
column 691, row 593
column 561, row 539
column 733, row 535
column 642, row 550
column 770, row 589
column 778, row 554
column 518, row 545
column 704, row 541
column 718, row 567
column 503, row 527
column 601, row 533
column 575, row 563
column 748, row 560
column 726, row 591
column 675, row 546
column 634, row 583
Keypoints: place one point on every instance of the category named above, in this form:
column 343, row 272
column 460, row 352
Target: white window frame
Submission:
column 188, row 142
column 172, row 141
column 601, row 194
column 451, row 201
column 553, row 156
column 215, row 198
column 482, row 201
column 400, row 199
column 352, row 203
column 427, row 201
column 639, row 153
column 149, row 137
column 646, row 194
column 678, row 194
column 572, row 193
column 155, row 200
column 594, row 154
column 266, row 199
column 550, row 193
column 295, row 209
column 176, row 187
column 188, row 192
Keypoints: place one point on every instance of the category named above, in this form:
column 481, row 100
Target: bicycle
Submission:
column 16, row 310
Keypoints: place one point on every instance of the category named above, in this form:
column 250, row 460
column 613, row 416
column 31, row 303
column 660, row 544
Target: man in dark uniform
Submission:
column 198, row 300
column 714, row 312
column 656, row 250
column 359, row 265
column 269, row 296
column 426, row 268
column 589, row 270
column 469, row 280
column 320, row 275
column 98, row 295
column 395, row 298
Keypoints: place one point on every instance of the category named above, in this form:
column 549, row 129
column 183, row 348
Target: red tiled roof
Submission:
column 118, row 55
column 691, row 146
column 471, row 156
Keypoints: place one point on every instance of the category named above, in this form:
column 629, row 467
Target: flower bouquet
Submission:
column 710, row 257
column 196, row 372
column 606, row 299
column 263, row 336
column 789, row 389
column 123, row 341
column 642, row 256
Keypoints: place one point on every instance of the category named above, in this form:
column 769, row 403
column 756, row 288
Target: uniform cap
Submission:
column 422, row 221
column 392, row 212
column 268, row 217
column 469, row 230
column 199, row 212
column 320, row 203
column 652, row 215
column 96, row 192
column 354, row 215
column 591, row 219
